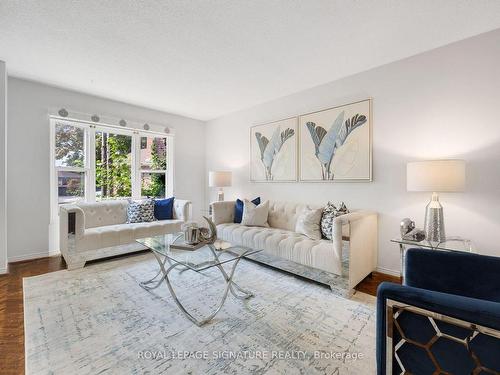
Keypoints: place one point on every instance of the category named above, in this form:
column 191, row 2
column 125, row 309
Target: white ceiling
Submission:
column 204, row 58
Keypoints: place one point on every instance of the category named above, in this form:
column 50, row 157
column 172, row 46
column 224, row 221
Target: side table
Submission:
column 451, row 244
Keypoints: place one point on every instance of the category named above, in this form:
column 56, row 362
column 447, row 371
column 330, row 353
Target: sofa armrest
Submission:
column 459, row 273
column 353, row 216
column 476, row 311
column 67, row 242
column 182, row 209
column 223, row 212
column 64, row 211
column 363, row 243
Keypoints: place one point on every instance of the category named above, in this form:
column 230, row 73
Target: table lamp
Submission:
column 435, row 176
column 219, row 179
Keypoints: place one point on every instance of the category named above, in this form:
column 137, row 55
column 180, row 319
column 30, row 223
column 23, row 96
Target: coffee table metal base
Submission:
column 231, row 286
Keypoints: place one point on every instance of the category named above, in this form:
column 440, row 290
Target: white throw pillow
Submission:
column 253, row 215
column 309, row 223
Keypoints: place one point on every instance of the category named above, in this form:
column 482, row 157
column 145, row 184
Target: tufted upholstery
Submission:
column 282, row 243
column 104, row 213
column 122, row 234
column 283, row 215
column 280, row 239
column 101, row 229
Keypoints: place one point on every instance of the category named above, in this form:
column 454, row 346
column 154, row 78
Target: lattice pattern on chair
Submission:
column 423, row 342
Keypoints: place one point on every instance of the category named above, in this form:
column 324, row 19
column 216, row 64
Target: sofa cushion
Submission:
column 281, row 243
column 308, row 223
column 122, row 234
column 284, row 215
column 164, row 209
column 141, row 211
column 238, row 209
column 254, row 215
column 104, row 213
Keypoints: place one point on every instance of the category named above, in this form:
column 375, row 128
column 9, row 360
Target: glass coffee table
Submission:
column 198, row 260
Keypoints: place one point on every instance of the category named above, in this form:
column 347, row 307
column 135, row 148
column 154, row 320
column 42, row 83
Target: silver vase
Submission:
column 191, row 233
column 434, row 221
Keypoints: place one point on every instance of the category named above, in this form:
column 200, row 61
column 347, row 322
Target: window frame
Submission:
column 140, row 171
column 118, row 131
column 90, row 129
column 54, row 170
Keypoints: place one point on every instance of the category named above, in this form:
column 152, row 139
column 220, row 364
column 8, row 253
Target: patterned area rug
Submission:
column 98, row 320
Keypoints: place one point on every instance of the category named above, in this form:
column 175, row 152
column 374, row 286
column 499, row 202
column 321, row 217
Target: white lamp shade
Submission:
column 436, row 175
column 219, row 178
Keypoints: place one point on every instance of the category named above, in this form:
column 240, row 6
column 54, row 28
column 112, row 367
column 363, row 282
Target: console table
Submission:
column 451, row 244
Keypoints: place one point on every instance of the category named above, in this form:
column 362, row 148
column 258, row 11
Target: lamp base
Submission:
column 434, row 221
column 220, row 195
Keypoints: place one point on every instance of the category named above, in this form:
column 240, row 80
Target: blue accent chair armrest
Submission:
column 461, row 286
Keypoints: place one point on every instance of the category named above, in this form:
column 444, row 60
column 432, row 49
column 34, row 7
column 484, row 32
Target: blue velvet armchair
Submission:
column 444, row 319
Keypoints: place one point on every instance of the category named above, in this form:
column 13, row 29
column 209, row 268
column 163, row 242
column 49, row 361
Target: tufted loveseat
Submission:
column 97, row 230
column 358, row 229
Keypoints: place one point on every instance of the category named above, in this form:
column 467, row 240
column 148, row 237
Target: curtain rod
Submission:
column 105, row 124
column 63, row 113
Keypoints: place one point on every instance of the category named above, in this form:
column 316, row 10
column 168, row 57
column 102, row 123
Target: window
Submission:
column 70, row 146
column 70, row 186
column 153, row 166
column 96, row 162
column 70, row 162
column 113, row 165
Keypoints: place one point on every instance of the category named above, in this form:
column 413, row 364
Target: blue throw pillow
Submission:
column 238, row 209
column 164, row 209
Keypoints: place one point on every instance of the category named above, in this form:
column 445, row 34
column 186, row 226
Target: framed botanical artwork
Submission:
column 335, row 144
column 273, row 151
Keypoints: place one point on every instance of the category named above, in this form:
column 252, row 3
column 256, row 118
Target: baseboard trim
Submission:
column 388, row 271
column 43, row 254
column 3, row 270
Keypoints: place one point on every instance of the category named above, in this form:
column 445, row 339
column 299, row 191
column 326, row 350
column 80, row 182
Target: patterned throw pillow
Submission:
column 330, row 212
column 141, row 211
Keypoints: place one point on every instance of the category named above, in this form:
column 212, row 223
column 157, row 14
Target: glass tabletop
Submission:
column 198, row 259
column 451, row 244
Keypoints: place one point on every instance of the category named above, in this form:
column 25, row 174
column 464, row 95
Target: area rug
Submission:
column 98, row 320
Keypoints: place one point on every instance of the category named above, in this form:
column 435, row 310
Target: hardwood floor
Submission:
column 11, row 310
column 370, row 284
column 11, row 306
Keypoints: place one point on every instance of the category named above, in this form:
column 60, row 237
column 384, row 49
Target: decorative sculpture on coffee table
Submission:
column 409, row 232
column 195, row 237
column 208, row 235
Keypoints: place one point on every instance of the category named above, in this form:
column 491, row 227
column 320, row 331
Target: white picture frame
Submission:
column 335, row 144
column 276, row 163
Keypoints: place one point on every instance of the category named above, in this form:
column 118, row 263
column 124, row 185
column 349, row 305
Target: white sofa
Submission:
column 100, row 230
column 358, row 228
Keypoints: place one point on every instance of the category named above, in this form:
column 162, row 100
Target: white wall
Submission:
column 3, row 164
column 440, row 104
column 28, row 157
